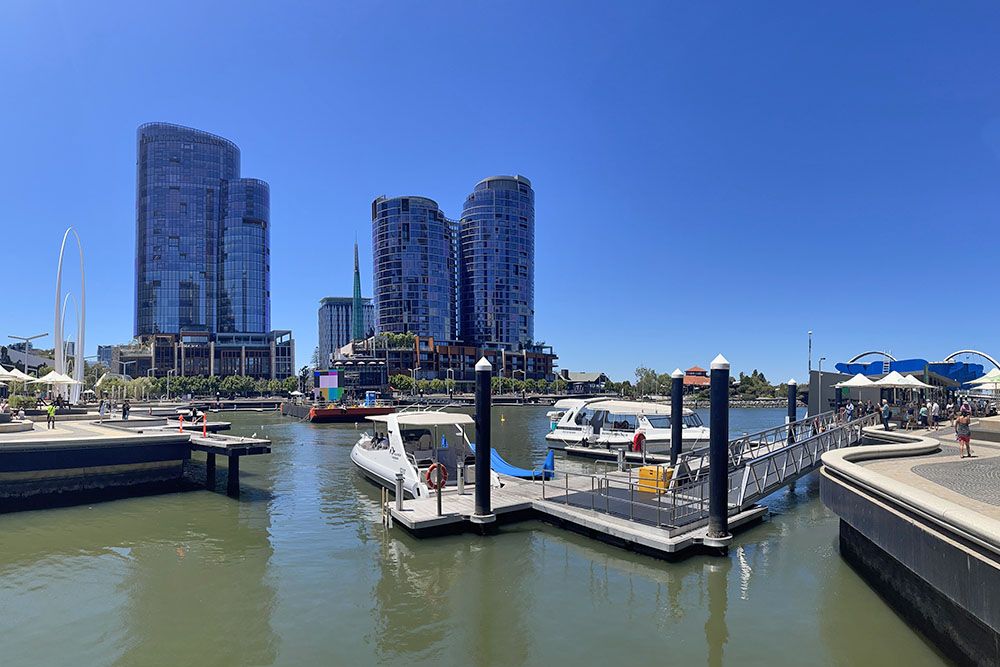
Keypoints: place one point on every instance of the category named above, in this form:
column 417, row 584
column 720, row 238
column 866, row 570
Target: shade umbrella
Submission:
column 20, row 375
column 858, row 382
column 914, row 383
column 7, row 376
column 892, row 381
column 55, row 378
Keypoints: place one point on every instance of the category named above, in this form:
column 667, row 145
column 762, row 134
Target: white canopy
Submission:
column 991, row 378
column 893, row 380
column 296, row 393
column 914, row 383
column 6, row 375
column 19, row 375
column 55, row 378
column 858, row 381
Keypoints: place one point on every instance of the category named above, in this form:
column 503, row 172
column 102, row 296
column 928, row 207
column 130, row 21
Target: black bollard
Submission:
column 718, row 456
column 793, row 388
column 676, row 414
column 484, row 511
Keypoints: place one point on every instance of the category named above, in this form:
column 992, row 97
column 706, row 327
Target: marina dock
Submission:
column 82, row 459
column 661, row 519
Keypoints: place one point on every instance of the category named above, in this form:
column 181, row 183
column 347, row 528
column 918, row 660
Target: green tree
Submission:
column 646, row 381
column 437, row 386
column 401, row 382
column 290, row 384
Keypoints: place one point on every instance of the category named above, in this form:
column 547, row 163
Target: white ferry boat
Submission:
column 613, row 424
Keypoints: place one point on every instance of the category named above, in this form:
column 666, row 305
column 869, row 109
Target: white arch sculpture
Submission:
column 952, row 356
column 865, row 354
column 60, row 351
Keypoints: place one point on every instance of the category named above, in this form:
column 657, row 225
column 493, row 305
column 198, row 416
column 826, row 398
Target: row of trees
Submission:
column 744, row 386
column 200, row 385
column 404, row 383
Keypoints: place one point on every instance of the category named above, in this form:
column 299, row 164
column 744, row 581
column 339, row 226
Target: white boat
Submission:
column 613, row 424
column 413, row 441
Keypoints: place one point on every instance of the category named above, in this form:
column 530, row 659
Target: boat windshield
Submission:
column 663, row 421
column 618, row 422
column 584, row 416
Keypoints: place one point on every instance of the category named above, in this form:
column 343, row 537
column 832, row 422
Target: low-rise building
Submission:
column 268, row 356
column 581, row 382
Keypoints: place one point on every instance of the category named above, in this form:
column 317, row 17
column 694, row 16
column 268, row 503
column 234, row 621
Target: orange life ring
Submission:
column 638, row 442
column 442, row 477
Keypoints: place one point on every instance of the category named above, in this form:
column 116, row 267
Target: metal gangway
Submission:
column 759, row 464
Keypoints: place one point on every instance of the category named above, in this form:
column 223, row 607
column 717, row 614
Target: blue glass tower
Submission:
column 497, row 264
column 202, row 236
column 413, row 247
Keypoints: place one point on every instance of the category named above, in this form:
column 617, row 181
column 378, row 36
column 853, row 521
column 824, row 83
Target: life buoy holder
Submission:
column 638, row 442
column 435, row 482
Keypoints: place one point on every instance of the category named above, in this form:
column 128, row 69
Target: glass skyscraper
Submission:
column 336, row 324
column 497, row 264
column 202, row 236
column 415, row 270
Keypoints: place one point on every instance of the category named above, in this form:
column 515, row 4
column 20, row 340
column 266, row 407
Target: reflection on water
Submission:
column 301, row 572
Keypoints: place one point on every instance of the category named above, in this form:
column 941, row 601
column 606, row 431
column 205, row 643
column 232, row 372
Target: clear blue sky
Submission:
column 710, row 177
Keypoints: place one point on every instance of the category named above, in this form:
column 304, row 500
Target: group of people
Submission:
column 106, row 407
column 928, row 415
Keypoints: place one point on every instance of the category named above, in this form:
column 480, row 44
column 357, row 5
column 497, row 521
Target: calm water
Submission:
column 300, row 572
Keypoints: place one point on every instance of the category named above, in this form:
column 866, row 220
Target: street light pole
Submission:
column 810, row 351
column 821, row 360
column 27, row 340
column 169, row 371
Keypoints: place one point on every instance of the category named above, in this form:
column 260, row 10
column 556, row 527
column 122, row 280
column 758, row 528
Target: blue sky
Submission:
column 710, row 177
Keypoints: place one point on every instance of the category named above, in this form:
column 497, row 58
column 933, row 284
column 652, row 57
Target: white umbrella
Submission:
column 858, row 381
column 296, row 393
column 914, row 383
column 893, row 381
column 991, row 378
column 55, row 378
column 20, row 375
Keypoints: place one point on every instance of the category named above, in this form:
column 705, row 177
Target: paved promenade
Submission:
column 973, row 483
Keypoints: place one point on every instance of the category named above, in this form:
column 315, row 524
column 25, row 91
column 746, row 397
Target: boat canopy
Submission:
column 426, row 419
column 568, row 403
column 630, row 407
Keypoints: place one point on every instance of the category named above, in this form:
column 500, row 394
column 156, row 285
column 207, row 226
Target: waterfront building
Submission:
column 202, row 268
column 414, row 266
column 336, row 324
column 104, row 353
column 427, row 359
column 579, row 382
column 497, row 264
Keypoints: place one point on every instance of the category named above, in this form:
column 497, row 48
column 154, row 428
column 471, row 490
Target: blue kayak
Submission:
column 502, row 467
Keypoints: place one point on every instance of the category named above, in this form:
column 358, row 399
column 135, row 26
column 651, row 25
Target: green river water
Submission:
column 300, row 571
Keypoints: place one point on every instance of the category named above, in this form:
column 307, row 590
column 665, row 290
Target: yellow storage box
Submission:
column 654, row 478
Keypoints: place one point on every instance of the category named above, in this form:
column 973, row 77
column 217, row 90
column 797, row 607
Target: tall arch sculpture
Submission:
column 865, row 354
column 60, row 348
column 952, row 356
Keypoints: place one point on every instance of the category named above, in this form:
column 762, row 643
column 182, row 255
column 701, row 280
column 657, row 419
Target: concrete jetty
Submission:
column 922, row 526
column 82, row 458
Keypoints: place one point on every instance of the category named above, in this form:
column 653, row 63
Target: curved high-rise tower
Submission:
column 413, row 247
column 497, row 263
column 202, row 236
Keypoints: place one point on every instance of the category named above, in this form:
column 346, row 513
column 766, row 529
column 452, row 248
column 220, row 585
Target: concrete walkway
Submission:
column 973, row 483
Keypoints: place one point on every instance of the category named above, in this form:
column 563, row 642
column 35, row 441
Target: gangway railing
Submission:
column 693, row 464
column 767, row 472
column 760, row 464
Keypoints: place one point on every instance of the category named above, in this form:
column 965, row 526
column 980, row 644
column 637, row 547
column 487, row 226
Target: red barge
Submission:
column 335, row 414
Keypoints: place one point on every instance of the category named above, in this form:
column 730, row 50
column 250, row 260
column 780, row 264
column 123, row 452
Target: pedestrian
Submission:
column 935, row 414
column 126, row 407
column 850, row 411
column 101, row 410
column 963, row 432
column 886, row 413
column 924, row 416
column 50, row 416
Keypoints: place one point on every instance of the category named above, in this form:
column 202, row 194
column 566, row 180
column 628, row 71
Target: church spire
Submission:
column 357, row 310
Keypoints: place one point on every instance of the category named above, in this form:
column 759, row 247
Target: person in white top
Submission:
column 935, row 414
